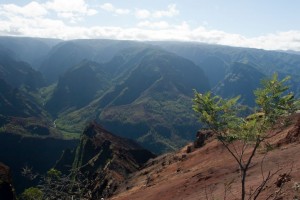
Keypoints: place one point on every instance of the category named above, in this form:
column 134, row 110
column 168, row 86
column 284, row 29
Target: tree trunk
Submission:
column 243, row 179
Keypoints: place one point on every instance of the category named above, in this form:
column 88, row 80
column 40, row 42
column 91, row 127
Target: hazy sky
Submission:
column 267, row 24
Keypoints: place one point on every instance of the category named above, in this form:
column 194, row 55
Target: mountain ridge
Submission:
column 150, row 78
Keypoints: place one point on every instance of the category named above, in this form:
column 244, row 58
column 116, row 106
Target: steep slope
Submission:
column 211, row 173
column 150, row 100
column 157, row 67
column 61, row 58
column 156, row 92
column 30, row 50
column 106, row 159
column 21, row 115
column 78, row 87
column 242, row 79
column 14, row 102
column 18, row 73
column 215, row 69
column 36, row 151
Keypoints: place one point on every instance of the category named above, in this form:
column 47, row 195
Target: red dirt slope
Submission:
column 211, row 173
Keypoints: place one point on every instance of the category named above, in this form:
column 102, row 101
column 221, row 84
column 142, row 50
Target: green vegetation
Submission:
column 143, row 87
column 45, row 93
column 32, row 193
column 150, row 93
column 239, row 134
column 29, row 127
column 54, row 173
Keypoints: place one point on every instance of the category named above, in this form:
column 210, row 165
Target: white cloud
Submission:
column 170, row 12
column 154, row 25
column 142, row 13
column 122, row 11
column 36, row 20
column 66, row 6
column 33, row 9
column 110, row 8
column 73, row 10
column 281, row 40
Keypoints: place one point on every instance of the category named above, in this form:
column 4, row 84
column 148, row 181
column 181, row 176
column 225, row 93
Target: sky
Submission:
column 264, row 24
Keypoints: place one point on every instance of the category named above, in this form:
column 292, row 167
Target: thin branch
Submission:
column 243, row 151
column 234, row 156
column 277, row 193
column 258, row 141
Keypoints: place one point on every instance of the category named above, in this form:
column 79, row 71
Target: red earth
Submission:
column 210, row 172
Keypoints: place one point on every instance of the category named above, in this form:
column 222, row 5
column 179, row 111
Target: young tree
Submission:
column 240, row 134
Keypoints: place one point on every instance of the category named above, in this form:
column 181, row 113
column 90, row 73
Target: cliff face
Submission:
column 105, row 158
column 6, row 187
column 38, row 153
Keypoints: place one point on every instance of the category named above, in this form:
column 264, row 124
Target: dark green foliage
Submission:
column 32, row 193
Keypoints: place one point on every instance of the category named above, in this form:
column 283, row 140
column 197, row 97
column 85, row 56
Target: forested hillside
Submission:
column 140, row 90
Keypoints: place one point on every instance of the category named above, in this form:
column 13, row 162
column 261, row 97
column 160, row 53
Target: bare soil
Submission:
column 210, row 172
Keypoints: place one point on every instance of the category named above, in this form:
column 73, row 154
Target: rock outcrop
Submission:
column 201, row 138
column 106, row 159
column 293, row 134
column 7, row 191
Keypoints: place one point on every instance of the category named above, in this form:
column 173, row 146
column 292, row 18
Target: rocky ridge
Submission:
column 106, row 159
